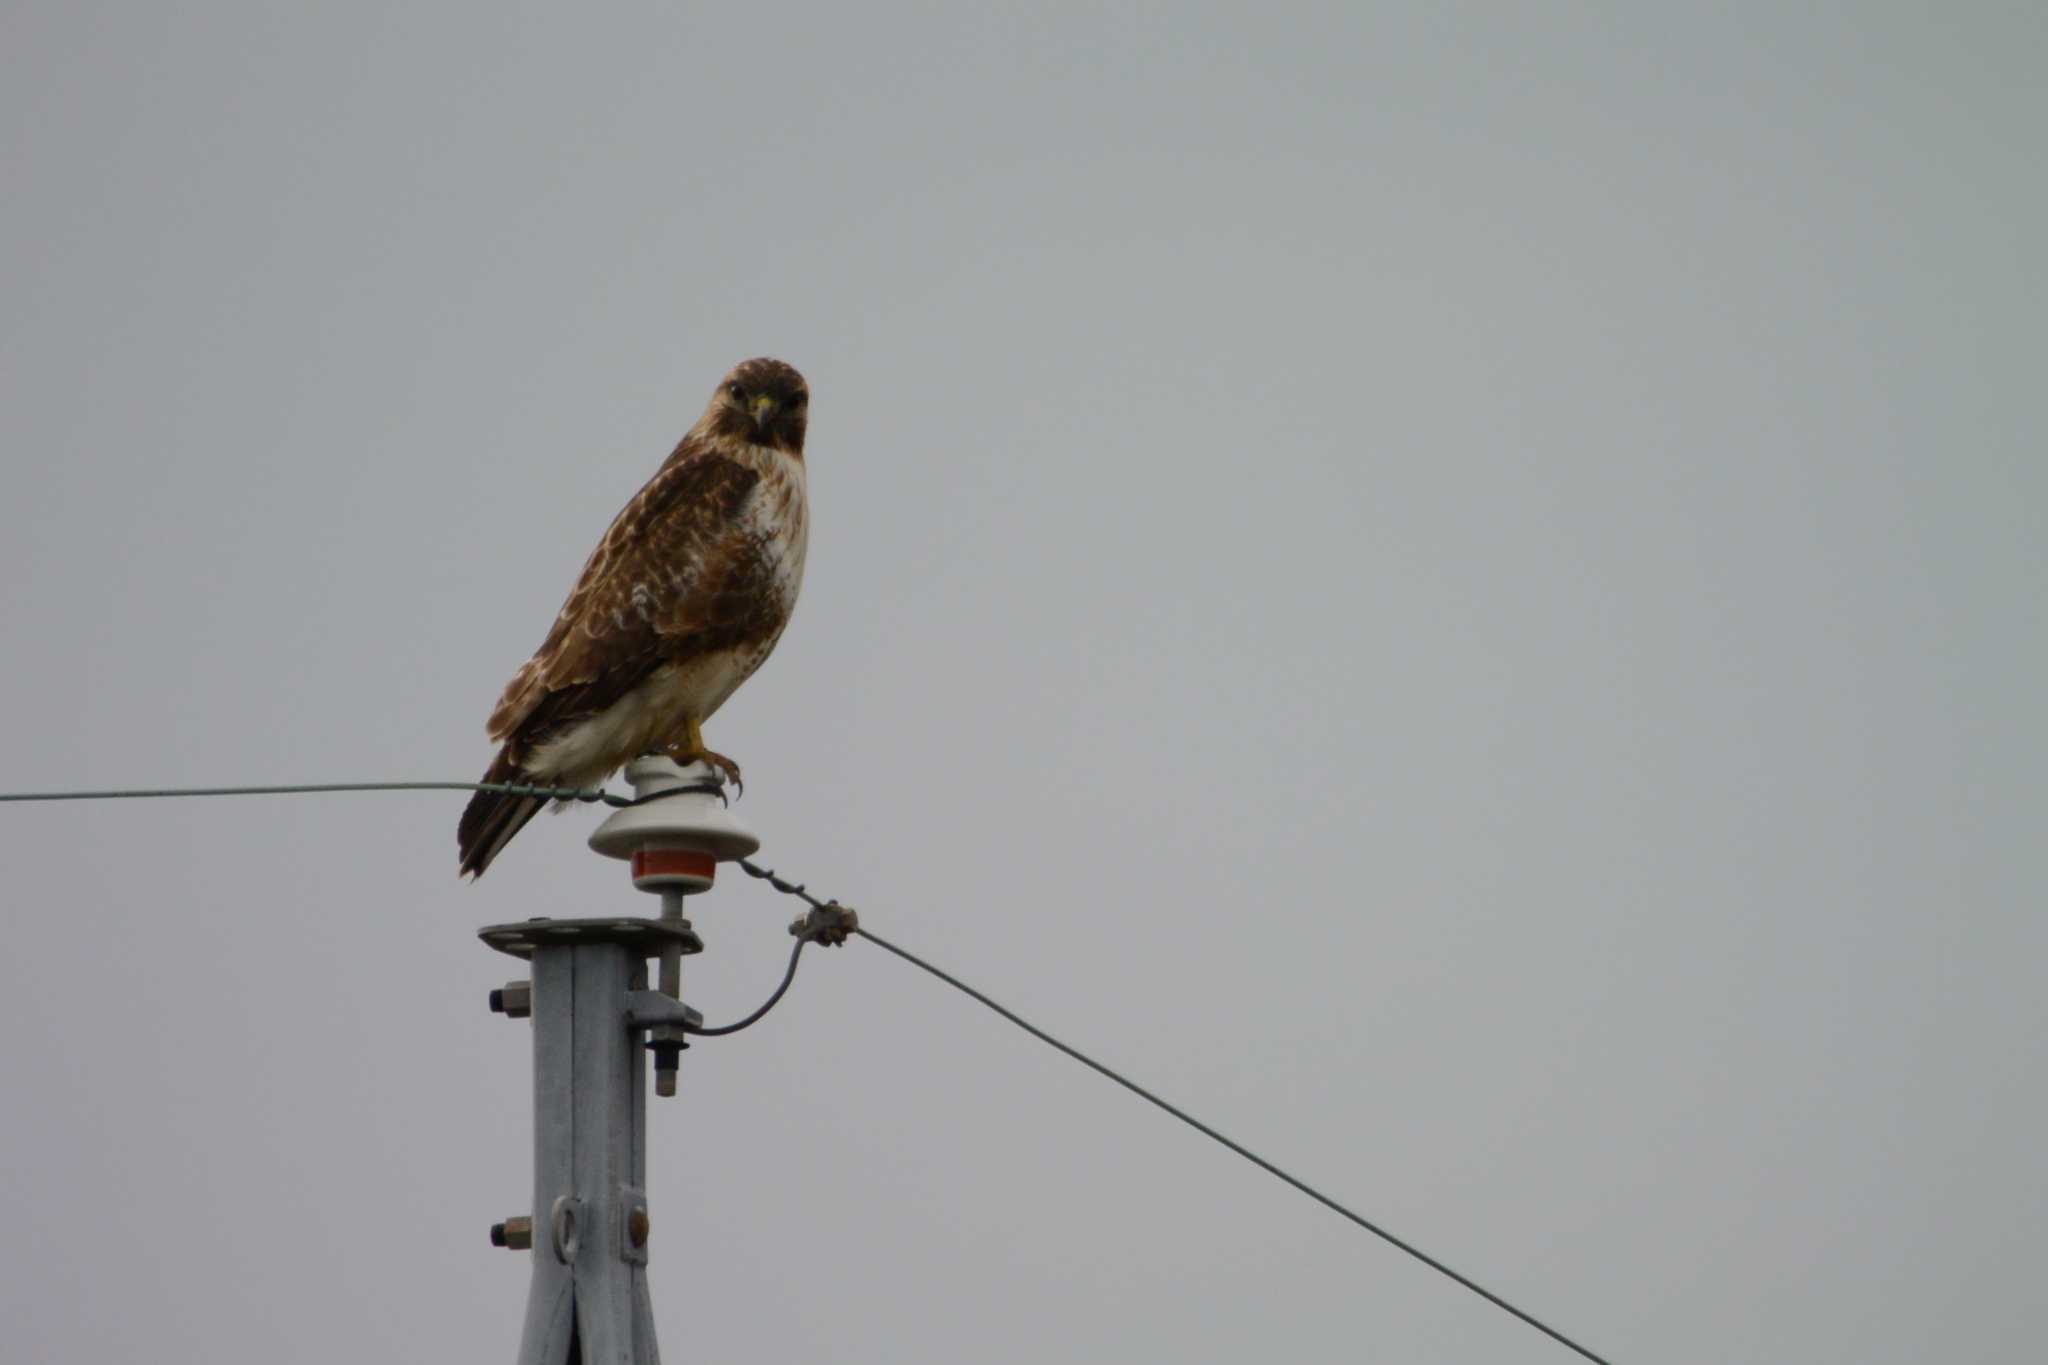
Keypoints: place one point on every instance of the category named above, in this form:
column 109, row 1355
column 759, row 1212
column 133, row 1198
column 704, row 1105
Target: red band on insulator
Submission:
column 673, row 862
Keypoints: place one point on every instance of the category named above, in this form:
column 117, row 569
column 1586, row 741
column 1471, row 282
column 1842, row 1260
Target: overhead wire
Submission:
column 852, row 927
column 302, row 789
column 1190, row 1120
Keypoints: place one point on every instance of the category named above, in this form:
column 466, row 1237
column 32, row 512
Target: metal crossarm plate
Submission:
column 648, row 936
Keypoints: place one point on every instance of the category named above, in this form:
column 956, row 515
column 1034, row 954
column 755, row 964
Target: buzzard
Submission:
column 680, row 602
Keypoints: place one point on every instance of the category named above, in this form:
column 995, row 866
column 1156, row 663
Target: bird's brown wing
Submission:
column 661, row 584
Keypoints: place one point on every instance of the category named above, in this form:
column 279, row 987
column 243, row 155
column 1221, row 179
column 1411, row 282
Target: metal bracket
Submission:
column 652, row 1009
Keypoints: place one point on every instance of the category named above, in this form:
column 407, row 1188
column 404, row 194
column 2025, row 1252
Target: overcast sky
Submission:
column 1458, row 588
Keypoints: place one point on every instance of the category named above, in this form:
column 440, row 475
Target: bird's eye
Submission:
column 735, row 392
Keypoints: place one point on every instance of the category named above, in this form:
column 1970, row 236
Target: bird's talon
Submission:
column 727, row 769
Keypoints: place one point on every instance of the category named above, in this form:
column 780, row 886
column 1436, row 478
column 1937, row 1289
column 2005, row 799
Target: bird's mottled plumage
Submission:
column 680, row 602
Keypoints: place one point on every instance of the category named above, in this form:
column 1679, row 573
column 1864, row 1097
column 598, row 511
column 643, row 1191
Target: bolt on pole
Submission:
column 590, row 1225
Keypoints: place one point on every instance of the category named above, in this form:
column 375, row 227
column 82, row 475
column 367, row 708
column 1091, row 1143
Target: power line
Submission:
column 836, row 914
column 143, row 793
column 1189, row 1119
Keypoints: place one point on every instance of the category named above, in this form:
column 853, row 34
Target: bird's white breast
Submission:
column 778, row 516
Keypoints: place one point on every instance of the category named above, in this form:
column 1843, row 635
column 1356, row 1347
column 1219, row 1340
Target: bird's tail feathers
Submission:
column 492, row 818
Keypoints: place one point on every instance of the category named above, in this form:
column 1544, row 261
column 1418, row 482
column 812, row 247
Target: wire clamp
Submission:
column 830, row 924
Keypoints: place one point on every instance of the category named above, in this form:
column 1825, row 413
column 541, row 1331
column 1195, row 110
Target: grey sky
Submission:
column 1458, row 589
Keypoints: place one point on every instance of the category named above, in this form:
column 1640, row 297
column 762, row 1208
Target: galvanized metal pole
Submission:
column 590, row 1226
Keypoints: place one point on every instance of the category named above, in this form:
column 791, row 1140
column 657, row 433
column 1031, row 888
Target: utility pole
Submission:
column 589, row 1228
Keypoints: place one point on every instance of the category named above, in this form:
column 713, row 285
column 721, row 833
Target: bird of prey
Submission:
column 681, row 601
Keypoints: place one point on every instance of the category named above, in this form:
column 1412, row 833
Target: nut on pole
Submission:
column 514, row 1000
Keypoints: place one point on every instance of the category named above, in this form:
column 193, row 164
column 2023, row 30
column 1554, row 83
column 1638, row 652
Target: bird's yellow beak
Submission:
column 763, row 405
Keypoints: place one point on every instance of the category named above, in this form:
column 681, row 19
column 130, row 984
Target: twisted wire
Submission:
column 796, row 889
column 301, row 789
column 828, row 912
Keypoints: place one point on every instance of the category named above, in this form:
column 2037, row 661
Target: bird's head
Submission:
column 761, row 402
